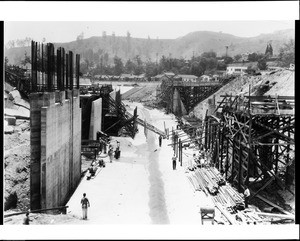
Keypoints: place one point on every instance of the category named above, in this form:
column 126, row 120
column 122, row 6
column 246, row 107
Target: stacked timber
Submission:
column 207, row 180
column 228, row 201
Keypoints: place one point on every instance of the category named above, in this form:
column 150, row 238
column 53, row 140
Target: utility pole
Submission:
column 226, row 50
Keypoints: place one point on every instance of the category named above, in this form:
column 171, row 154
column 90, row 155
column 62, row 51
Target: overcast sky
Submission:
column 68, row 31
column 64, row 21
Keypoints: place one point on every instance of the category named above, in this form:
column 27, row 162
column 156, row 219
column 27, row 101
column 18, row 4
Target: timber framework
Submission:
column 251, row 139
column 180, row 97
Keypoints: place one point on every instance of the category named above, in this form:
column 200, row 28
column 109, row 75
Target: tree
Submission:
column 20, row 43
column 198, row 68
column 138, row 65
column 150, row 69
column 287, row 54
column 129, row 67
column 269, row 50
column 210, row 54
column 184, row 70
column 228, row 60
column 118, row 66
column 221, row 65
column 237, row 57
column 11, row 44
column 6, row 62
column 252, row 57
column 26, row 59
column 262, row 64
column 80, row 37
column 27, row 41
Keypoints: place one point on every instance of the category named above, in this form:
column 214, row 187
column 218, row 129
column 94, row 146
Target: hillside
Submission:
column 196, row 42
column 281, row 83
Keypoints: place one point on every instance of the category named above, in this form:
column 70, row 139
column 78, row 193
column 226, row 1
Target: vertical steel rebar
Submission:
column 71, row 70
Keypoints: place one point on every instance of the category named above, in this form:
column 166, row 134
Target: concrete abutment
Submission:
column 55, row 121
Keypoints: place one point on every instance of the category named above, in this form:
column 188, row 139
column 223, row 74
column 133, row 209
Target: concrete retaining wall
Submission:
column 55, row 147
column 96, row 118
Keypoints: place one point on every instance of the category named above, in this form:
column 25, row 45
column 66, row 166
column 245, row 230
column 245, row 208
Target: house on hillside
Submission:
column 160, row 77
column 126, row 77
column 141, row 77
column 85, row 81
column 239, row 68
column 169, row 74
column 187, row 78
column 204, row 78
column 156, row 77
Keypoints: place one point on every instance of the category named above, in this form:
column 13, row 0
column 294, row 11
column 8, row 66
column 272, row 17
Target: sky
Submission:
column 64, row 21
column 68, row 31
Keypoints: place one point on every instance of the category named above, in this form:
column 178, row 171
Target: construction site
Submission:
column 225, row 137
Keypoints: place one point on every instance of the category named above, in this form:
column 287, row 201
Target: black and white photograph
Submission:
column 160, row 120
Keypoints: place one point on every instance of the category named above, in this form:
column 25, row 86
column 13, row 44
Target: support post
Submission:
column 77, row 70
column 67, row 72
column 71, row 70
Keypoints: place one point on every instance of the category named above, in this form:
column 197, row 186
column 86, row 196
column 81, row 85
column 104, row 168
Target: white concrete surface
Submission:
column 141, row 187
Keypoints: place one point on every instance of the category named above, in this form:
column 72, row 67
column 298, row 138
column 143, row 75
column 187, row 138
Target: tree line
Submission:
column 198, row 65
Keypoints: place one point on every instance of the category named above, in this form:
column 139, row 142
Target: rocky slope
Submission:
column 16, row 151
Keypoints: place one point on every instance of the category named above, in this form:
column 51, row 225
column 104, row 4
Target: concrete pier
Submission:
column 55, row 140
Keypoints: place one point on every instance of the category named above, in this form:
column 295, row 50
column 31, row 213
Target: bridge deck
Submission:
column 193, row 84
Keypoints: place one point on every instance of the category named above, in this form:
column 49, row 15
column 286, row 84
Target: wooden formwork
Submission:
column 252, row 138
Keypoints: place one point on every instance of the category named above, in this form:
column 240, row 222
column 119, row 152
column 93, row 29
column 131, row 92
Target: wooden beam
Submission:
column 36, row 211
column 274, row 205
column 275, row 215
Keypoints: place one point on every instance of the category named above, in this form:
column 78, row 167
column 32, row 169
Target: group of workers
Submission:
column 114, row 153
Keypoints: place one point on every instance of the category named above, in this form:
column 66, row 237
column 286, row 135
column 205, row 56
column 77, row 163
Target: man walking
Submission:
column 174, row 162
column 110, row 154
column 159, row 140
column 85, row 204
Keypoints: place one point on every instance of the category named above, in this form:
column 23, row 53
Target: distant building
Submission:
column 126, row 77
column 85, row 82
column 160, row 77
column 204, row 78
column 187, row 78
column 238, row 68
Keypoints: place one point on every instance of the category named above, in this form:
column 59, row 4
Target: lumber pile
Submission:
column 208, row 179
column 228, row 201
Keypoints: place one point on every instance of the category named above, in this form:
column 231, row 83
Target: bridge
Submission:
column 179, row 97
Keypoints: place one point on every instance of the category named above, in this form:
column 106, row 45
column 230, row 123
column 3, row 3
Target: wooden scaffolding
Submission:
column 251, row 139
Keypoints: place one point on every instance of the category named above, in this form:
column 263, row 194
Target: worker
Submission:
column 110, row 154
column 246, row 196
column 117, row 151
column 160, row 140
column 174, row 162
column 104, row 148
column 84, row 204
column 26, row 219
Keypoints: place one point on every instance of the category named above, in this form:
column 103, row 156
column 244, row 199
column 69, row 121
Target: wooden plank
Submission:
column 273, row 204
column 36, row 211
column 275, row 215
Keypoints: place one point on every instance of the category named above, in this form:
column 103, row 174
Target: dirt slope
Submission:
column 281, row 83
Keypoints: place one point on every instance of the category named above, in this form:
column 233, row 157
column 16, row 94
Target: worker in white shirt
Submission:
column 246, row 196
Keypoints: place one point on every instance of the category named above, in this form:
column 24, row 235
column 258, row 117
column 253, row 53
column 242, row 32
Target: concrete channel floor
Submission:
column 141, row 187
